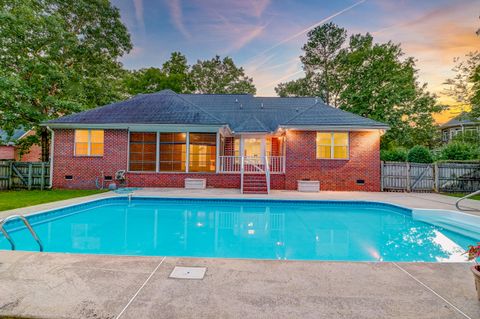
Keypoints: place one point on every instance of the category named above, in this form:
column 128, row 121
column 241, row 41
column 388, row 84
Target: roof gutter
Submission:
column 334, row 128
column 138, row 127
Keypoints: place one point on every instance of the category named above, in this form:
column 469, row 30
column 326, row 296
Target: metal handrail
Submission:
column 27, row 224
column 267, row 173
column 457, row 203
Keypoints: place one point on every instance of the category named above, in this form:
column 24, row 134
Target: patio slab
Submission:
column 46, row 285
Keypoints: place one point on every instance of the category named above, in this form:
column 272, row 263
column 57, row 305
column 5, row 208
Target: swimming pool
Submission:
column 263, row 229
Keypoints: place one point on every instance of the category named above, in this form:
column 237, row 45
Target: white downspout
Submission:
column 51, row 155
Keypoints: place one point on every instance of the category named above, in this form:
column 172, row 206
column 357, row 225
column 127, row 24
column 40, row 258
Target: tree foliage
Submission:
column 173, row 75
column 217, row 76
column 213, row 76
column 397, row 154
column 458, row 150
column 419, row 154
column 464, row 87
column 374, row 80
column 57, row 57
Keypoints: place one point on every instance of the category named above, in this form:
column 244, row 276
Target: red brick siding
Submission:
column 7, row 152
column 336, row 175
column 301, row 163
column 34, row 154
column 86, row 169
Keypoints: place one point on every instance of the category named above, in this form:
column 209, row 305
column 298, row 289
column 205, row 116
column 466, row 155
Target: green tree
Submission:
column 320, row 61
column 173, row 75
column 464, row 87
column 58, row 57
column 217, row 76
column 374, row 80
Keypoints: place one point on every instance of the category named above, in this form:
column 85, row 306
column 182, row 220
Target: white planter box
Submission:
column 308, row 186
column 195, row 183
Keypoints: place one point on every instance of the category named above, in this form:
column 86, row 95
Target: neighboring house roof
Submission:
column 460, row 120
column 241, row 112
column 6, row 139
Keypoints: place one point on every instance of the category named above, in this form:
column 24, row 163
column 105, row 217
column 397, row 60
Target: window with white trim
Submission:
column 89, row 142
column 332, row 145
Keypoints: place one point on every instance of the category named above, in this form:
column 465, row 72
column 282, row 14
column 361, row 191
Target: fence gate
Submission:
column 440, row 177
column 28, row 175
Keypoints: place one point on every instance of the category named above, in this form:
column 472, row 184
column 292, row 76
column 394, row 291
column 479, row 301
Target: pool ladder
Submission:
column 457, row 203
column 27, row 224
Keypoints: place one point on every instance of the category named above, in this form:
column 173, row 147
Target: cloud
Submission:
column 176, row 15
column 305, row 30
column 138, row 5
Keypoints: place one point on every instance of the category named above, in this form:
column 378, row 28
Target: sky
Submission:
column 265, row 36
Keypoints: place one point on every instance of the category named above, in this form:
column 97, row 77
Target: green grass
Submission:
column 24, row 198
column 476, row 197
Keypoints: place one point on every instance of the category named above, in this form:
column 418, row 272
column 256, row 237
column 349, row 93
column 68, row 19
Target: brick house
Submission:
column 229, row 141
column 9, row 150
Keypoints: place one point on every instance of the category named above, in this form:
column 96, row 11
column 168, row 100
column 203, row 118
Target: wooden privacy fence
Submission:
column 439, row 177
column 29, row 175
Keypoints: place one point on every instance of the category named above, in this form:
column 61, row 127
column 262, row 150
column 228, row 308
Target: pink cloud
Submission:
column 176, row 15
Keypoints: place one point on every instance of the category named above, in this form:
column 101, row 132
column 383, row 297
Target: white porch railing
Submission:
column 252, row 164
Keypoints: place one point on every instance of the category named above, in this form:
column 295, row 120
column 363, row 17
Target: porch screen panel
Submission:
column 173, row 152
column 143, row 151
column 203, row 150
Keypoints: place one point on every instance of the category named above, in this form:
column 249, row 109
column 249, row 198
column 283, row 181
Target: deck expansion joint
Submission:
column 139, row 289
column 431, row 290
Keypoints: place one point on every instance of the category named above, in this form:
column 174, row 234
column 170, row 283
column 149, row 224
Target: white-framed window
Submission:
column 332, row 145
column 89, row 142
column 445, row 136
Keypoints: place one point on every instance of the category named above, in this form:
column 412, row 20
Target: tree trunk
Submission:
column 45, row 143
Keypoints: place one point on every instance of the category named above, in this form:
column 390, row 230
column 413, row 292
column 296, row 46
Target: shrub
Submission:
column 469, row 137
column 419, row 154
column 394, row 155
column 459, row 151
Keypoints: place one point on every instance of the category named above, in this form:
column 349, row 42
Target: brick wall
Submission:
column 301, row 163
column 86, row 169
column 336, row 175
column 7, row 152
column 34, row 153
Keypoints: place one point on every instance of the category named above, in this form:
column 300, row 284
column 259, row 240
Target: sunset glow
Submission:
column 265, row 37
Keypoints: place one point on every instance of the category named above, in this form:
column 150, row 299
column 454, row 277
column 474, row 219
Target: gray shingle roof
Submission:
column 241, row 112
column 462, row 119
column 7, row 139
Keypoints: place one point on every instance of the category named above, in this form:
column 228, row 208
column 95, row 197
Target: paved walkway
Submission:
column 88, row 286
column 48, row 285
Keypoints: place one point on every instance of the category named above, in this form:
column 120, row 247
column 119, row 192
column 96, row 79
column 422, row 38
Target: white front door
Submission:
column 254, row 147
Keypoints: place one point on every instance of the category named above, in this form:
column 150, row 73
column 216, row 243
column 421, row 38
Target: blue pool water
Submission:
column 298, row 230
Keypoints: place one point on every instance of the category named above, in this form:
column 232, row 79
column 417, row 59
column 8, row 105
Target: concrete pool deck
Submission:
column 42, row 285
column 49, row 285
